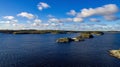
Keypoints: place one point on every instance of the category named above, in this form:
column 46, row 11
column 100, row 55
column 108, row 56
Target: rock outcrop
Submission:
column 78, row 38
column 63, row 40
column 115, row 53
column 81, row 37
column 86, row 35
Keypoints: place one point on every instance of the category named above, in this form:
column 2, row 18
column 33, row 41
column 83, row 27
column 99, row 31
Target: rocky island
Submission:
column 81, row 37
column 64, row 40
column 115, row 53
column 83, row 34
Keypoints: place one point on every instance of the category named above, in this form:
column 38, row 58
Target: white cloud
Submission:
column 9, row 20
column 111, row 17
column 37, row 22
column 72, row 13
column 5, row 22
column 66, row 20
column 78, row 19
column 60, row 20
column 26, row 15
column 9, row 17
column 54, row 20
column 15, row 21
column 43, row 5
column 94, row 20
column 86, row 12
column 106, row 10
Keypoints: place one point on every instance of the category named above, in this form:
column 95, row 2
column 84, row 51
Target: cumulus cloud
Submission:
column 34, row 22
column 42, row 6
column 66, row 20
column 60, row 20
column 78, row 19
column 37, row 22
column 94, row 20
column 9, row 17
column 104, row 10
column 9, row 20
column 26, row 15
column 54, row 20
column 111, row 17
column 72, row 13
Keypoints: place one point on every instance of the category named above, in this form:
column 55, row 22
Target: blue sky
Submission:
column 60, row 14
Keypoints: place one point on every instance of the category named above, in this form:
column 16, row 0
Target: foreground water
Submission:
column 34, row 50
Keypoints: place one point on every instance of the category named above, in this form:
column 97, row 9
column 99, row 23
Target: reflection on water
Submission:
column 34, row 50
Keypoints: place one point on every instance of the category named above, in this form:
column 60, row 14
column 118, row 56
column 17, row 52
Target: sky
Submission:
column 79, row 15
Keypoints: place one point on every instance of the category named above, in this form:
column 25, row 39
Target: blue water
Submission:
column 41, row 50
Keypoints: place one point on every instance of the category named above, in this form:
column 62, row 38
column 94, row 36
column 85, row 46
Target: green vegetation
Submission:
column 36, row 31
column 46, row 31
column 86, row 35
column 115, row 53
column 30, row 32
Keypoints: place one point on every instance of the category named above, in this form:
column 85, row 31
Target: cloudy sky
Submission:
column 60, row 14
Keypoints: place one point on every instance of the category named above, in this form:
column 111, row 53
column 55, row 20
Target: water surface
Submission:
column 41, row 50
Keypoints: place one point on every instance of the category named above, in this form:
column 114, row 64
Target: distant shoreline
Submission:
column 37, row 31
column 46, row 31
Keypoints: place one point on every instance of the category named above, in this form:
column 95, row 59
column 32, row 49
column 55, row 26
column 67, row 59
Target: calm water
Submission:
column 34, row 50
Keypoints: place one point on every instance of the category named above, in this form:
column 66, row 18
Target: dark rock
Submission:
column 63, row 40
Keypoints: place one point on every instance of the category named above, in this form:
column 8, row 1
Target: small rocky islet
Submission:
column 81, row 37
column 115, row 53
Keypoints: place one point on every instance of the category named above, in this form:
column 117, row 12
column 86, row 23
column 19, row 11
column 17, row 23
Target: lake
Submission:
column 41, row 50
